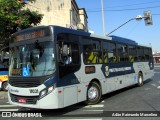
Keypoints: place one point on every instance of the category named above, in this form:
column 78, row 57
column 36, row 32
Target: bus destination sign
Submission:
column 30, row 35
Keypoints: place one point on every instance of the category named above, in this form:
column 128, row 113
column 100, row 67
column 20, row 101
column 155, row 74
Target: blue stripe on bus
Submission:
column 49, row 82
column 117, row 69
column 3, row 72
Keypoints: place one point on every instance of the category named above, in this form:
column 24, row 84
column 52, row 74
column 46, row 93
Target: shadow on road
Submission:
column 54, row 112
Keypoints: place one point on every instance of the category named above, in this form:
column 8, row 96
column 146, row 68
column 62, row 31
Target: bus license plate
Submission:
column 22, row 100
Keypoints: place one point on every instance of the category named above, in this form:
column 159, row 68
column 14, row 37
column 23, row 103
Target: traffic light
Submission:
column 148, row 18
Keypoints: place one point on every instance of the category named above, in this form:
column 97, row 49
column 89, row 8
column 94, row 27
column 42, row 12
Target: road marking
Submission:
column 89, row 106
column 147, row 88
column 103, row 101
column 153, row 85
column 94, row 110
column 158, row 87
column 8, row 110
column 8, row 106
column 78, row 119
column 157, row 66
column 157, row 72
column 94, row 106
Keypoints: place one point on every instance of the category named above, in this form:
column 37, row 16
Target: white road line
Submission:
column 94, row 106
column 156, row 72
column 157, row 66
column 94, row 110
column 147, row 88
column 102, row 101
column 8, row 106
column 158, row 87
column 79, row 119
column 89, row 106
column 1, row 110
column 153, row 85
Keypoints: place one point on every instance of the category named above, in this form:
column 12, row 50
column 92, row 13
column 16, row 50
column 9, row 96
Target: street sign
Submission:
column 71, row 26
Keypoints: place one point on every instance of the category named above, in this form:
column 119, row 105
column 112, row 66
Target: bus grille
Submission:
column 29, row 99
column 24, row 83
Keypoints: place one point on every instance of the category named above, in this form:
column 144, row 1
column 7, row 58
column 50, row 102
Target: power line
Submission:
column 155, row 14
column 119, row 10
column 126, row 5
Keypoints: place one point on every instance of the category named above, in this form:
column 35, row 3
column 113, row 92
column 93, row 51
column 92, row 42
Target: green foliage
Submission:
column 14, row 17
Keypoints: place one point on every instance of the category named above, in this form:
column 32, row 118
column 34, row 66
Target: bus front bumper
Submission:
column 50, row 101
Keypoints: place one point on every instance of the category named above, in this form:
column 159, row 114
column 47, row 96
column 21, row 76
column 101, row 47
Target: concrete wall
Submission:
column 56, row 12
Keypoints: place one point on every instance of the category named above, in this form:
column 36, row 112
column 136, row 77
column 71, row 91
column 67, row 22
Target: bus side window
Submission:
column 132, row 51
column 122, row 51
column 92, row 51
column 109, row 52
column 150, row 54
column 146, row 53
column 140, row 53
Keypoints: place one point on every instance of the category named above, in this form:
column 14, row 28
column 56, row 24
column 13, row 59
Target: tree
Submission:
column 14, row 16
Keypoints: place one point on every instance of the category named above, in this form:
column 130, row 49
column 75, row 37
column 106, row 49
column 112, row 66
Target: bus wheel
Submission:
column 93, row 93
column 140, row 80
column 5, row 86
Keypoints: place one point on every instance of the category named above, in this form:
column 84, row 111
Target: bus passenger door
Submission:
column 68, row 65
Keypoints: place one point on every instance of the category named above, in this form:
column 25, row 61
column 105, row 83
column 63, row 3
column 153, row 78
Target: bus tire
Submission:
column 5, row 86
column 140, row 80
column 94, row 93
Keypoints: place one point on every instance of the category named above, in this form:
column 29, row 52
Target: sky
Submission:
column 117, row 12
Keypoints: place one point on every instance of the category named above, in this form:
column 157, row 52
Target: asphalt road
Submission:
column 133, row 100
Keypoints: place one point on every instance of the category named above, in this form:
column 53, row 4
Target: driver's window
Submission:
column 68, row 49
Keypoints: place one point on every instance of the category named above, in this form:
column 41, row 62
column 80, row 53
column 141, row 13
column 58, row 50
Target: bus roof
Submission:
column 123, row 40
column 82, row 33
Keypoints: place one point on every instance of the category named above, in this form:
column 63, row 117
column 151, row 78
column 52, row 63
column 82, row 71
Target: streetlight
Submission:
column 103, row 24
column 147, row 17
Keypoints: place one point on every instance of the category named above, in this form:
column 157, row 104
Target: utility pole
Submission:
column 103, row 24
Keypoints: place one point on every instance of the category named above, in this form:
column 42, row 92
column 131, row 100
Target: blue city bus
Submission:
column 52, row 67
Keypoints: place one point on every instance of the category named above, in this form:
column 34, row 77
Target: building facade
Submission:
column 64, row 13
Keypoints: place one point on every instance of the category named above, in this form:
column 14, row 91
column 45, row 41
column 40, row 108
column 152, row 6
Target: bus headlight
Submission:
column 43, row 93
column 50, row 89
column 46, row 91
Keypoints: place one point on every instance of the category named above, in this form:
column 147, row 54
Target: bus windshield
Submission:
column 32, row 60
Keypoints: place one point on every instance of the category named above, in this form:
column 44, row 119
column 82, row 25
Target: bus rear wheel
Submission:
column 93, row 93
column 140, row 80
column 5, row 86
